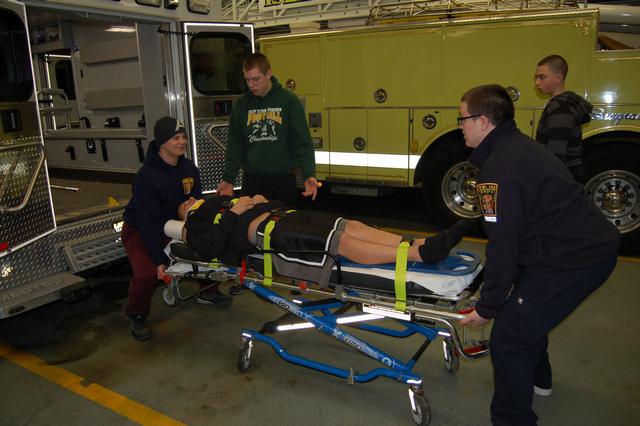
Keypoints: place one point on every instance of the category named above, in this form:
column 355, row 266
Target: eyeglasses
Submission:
column 461, row 119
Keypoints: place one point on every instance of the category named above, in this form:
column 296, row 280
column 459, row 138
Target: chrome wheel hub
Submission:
column 459, row 190
column 615, row 192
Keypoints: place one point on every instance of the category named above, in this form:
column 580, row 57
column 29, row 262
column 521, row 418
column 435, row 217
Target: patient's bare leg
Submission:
column 367, row 252
column 367, row 245
column 364, row 232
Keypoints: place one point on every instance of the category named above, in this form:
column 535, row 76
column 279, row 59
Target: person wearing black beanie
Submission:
column 166, row 128
column 165, row 181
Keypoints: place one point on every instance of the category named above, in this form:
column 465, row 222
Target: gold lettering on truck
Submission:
column 271, row 3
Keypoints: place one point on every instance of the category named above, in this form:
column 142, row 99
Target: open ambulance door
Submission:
column 213, row 65
column 26, row 208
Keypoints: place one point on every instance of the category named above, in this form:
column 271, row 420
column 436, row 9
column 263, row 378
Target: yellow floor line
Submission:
column 92, row 391
column 629, row 259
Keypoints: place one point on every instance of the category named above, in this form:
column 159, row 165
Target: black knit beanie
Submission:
column 166, row 128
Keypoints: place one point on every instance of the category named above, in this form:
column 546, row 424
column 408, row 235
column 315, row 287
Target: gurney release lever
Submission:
column 352, row 374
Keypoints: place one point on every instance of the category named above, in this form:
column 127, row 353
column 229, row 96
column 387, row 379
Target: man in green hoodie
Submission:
column 268, row 138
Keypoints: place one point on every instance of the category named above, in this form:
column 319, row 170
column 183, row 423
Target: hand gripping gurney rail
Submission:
column 432, row 297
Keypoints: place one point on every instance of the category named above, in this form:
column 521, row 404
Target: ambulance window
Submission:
column 216, row 62
column 64, row 78
column 16, row 83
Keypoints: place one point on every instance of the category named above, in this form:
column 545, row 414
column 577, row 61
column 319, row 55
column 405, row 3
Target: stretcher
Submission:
column 357, row 296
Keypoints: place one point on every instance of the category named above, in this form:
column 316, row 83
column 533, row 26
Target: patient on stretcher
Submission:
column 228, row 229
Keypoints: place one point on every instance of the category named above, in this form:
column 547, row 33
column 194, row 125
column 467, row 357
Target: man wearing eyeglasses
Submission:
column 559, row 129
column 549, row 248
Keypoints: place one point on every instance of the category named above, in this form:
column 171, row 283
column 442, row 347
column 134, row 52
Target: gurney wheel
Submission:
column 244, row 357
column 451, row 357
column 169, row 296
column 422, row 414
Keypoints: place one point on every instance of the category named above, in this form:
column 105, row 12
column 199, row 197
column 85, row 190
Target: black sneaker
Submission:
column 214, row 298
column 237, row 290
column 437, row 248
column 139, row 328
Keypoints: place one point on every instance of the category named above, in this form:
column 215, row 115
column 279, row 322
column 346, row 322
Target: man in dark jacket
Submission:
column 268, row 138
column 549, row 248
column 165, row 180
column 560, row 126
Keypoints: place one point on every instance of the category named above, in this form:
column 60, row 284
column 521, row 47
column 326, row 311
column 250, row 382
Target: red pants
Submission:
column 145, row 276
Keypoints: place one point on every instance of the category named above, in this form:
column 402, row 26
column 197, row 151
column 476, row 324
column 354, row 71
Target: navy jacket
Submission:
column 537, row 217
column 158, row 190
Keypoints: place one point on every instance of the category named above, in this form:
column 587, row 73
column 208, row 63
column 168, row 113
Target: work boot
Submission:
column 214, row 297
column 438, row 247
column 139, row 328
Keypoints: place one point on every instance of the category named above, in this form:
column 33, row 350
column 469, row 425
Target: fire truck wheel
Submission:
column 612, row 176
column 449, row 184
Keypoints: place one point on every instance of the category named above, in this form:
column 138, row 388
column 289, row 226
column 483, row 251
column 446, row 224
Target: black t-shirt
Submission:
column 226, row 240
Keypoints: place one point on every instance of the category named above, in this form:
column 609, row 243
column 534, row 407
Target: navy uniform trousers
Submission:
column 519, row 339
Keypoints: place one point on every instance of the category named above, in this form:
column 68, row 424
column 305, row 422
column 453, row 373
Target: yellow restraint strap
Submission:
column 268, row 270
column 216, row 219
column 401, row 276
column 268, row 260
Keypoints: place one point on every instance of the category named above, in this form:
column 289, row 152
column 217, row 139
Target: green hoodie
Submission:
column 268, row 135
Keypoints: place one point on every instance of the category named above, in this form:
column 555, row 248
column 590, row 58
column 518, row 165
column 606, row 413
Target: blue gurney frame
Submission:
column 426, row 319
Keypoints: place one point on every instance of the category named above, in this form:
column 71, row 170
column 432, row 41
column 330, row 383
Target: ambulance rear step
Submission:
column 53, row 267
column 90, row 253
column 36, row 293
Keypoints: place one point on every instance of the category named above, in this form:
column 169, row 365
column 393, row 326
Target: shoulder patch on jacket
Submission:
column 187, row 185
column 488, row 198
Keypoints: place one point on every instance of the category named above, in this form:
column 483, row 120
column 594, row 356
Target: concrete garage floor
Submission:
column 187, row 372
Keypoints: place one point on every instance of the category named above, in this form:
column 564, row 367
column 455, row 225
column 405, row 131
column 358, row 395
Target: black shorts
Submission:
column 305, row 230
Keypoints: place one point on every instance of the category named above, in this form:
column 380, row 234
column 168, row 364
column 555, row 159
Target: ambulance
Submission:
column 81, row 85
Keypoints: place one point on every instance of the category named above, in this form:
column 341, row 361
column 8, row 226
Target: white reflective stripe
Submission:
column 413, row 161
column 298, row 326
column 387, row 161
column 322, row 157
column 347, row 159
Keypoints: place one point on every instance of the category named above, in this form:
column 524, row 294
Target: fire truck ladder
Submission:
column 408, row 11
column 267, row 13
